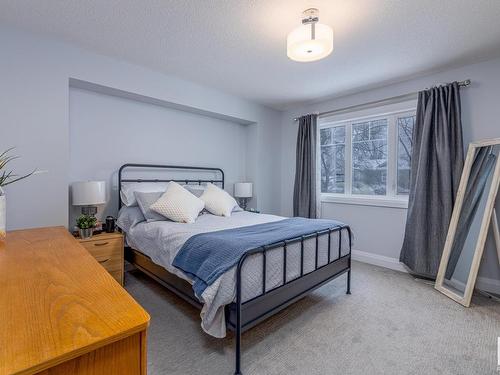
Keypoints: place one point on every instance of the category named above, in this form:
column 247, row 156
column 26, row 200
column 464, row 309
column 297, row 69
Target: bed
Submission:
column 265, row 279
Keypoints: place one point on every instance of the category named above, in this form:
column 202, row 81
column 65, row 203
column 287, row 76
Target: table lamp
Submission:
column 88, row 195
column 243, row 191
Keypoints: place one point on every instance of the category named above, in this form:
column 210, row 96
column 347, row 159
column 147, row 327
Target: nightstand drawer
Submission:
column 104, row 248
column 107, row 249
column 117, row 275
column 110, row 263
column 108, row 252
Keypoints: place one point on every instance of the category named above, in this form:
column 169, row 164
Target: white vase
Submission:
column 3, row 214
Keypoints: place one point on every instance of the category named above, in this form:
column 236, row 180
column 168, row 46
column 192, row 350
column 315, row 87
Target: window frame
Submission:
column 392, row 198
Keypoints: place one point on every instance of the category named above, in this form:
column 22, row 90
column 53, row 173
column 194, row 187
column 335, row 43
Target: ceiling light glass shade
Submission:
column 301, row 47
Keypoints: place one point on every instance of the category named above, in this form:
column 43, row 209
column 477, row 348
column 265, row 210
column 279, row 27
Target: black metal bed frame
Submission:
column 242, row 315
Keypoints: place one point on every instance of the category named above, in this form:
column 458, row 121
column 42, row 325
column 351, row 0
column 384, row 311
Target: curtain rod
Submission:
column 408, row 96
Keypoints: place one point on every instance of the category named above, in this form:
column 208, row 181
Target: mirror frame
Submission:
column 483, row 232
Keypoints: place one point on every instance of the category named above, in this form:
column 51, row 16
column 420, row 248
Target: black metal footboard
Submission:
column 243, row 315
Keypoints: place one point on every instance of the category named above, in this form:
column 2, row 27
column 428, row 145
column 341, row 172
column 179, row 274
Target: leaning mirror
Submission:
column 472, row 216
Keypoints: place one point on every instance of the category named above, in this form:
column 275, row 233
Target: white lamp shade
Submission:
column 301, row 47
column 243, row 189
column 88, row 193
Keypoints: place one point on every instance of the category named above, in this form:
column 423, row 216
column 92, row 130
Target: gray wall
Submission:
column 108, row 131
column 34, row 103
column 379, row 230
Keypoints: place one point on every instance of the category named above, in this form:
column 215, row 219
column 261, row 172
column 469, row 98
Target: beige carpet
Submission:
column 391, row 324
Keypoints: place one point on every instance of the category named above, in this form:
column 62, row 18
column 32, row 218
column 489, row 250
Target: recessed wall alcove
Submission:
column 109, row 127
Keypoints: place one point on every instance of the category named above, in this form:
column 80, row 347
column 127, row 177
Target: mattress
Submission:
column 161, row 240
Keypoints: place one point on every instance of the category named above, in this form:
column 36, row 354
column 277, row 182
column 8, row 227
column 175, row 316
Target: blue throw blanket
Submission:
column 206, row 256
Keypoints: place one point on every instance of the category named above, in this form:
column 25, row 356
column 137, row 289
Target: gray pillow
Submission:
column 196, row 190
column 145, row 200
column 128, row 217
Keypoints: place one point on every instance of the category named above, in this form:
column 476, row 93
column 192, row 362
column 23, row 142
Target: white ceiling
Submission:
column 239, row 46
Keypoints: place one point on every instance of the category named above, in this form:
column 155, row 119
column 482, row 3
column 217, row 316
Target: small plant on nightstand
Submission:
column 86, row 224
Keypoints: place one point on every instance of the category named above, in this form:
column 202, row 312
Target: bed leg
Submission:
column 348, row 282
column 237, row 370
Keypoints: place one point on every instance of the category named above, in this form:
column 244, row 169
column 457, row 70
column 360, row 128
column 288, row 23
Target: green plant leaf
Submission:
column 18, row 179
column 8, row 177
column 86, row 221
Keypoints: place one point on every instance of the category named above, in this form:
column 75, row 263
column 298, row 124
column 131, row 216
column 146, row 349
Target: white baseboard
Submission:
column 378, row 260
column 488, row 285
column 483, row 283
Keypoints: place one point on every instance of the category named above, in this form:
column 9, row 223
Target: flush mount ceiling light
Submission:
column 312, row 40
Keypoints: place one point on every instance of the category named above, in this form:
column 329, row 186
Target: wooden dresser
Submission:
column 62, row 313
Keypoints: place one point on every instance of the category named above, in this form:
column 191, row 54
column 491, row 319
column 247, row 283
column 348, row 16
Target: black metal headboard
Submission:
column 187, row 181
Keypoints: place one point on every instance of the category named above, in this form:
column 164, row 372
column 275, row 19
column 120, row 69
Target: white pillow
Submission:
column 178, row 204
column 218, row 201
column 129, row 188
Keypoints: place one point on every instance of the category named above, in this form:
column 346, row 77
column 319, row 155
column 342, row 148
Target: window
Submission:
column 367, row 157
column 333, row 159
column 405, row 133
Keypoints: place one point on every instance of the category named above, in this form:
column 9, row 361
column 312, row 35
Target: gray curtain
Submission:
column 481, row 169
column 304, row 192
column 436, row 167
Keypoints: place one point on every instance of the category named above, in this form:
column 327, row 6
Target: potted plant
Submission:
column 86, row 224
column 6, row 178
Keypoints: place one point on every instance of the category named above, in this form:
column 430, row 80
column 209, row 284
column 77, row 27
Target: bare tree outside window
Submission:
column 405, row 134
column 369, row 157
column 333, row 160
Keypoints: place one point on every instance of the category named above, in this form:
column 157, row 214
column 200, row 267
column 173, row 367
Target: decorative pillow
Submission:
column 198, row 190
column 145, row 200
column 178, row 204
column 218, row 201
column 129, row 188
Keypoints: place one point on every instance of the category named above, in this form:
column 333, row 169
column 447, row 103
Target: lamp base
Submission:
column 89, row 210
column 243, row 203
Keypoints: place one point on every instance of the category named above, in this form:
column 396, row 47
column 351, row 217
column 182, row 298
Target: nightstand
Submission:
column 107, row 249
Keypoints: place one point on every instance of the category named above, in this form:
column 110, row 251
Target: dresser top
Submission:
column 57, row 302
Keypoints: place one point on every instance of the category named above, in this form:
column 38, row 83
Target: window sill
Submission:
column 365, row 200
